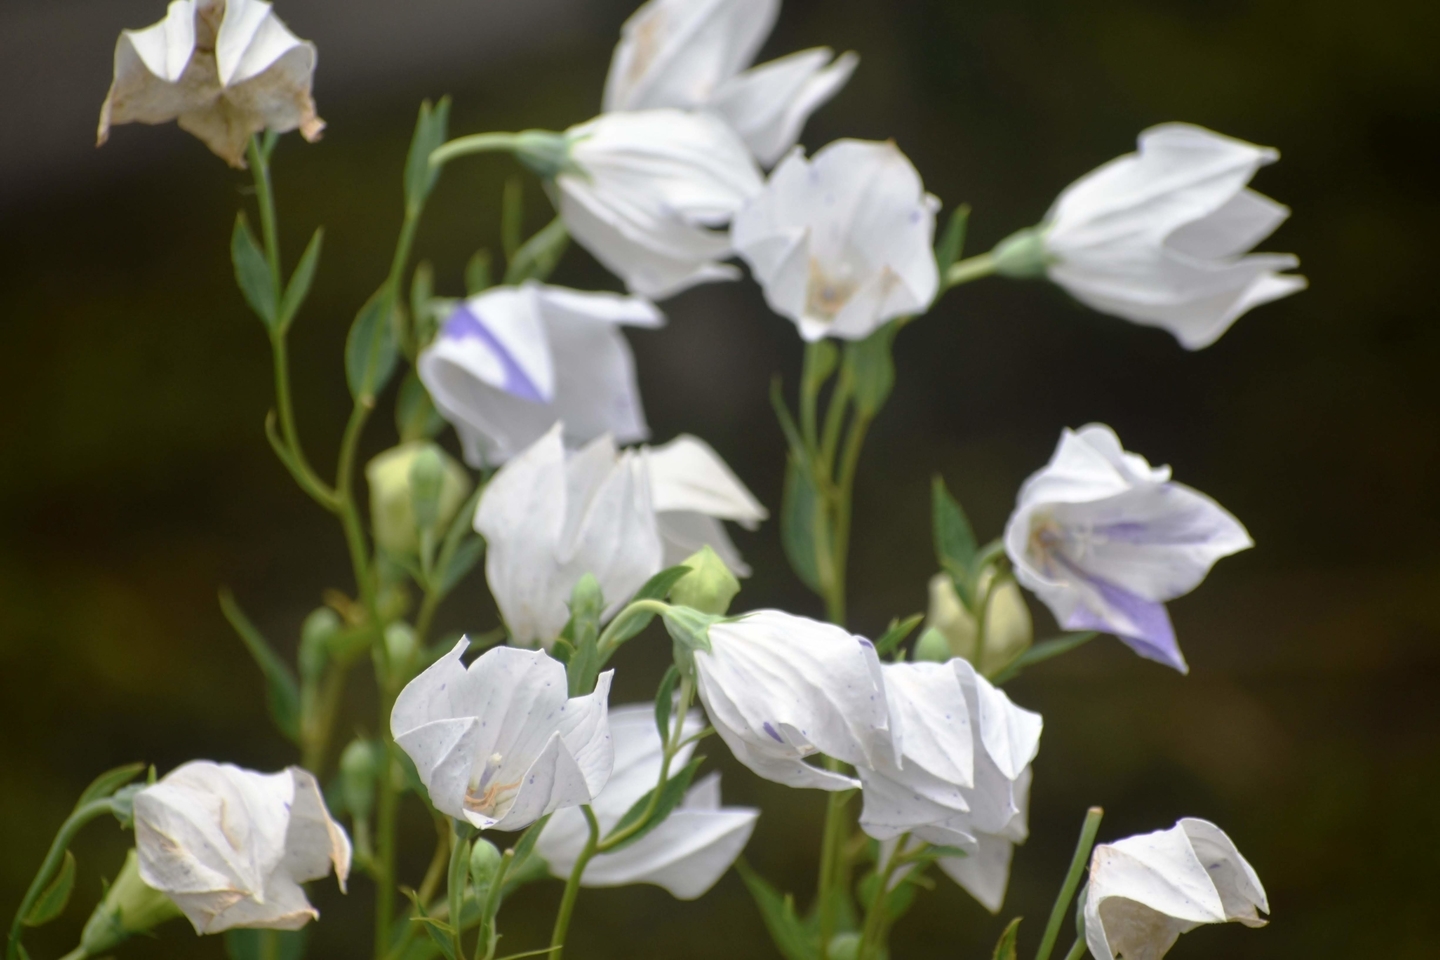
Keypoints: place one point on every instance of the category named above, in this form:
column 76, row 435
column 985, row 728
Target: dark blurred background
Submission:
column 136, row 478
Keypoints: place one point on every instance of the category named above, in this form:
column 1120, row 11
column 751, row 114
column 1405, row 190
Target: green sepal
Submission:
column 299, row 287
column 538, row 257
column 370, row 347
column 247, row 944
column 252, row 273
column 778, row 911
column 672, row 792
column 471, row 549
column 282, row 689
column 955, row 547
column 51, row 902
column 108, row 782
column 431, row 130
column 1007, row 947
column 896, row 633
column 689, row 628
column 952, row 242
column 665, row 701
column 871, row 369
column 583, row 632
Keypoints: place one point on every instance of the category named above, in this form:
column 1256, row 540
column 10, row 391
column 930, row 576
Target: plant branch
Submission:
column 572, row 886
column 53, row 858
column 1072, row 881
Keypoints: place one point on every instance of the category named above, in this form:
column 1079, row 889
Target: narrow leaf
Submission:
column 778, row 912
column 108, row 782
column 471, row 549
column 1006, row 949
column 281, row 687
column 526, row 844
column 250, row 944
column 1044, row 650
column 954, row 539
column 431, row 130
column 252, row 273
column 370, row 349
column 952, row 243
column 300, row 280
column 52, row 901
column 415, row 415
column 665, row 701
column 897, row 632
column 798, row 513
column 478, row 277
column 672, row 791
column 540, row 255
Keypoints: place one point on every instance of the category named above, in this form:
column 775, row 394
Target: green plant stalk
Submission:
column 875, row 918
column 832, row 854
column 606, row 644
column 488, row 940
column 315, row 732
column 844, row 496
column 475, row 143
column 49, row 865
column 385, row 807
column 434, row 593
column 572, row 885
column 1072, row 882
column 971, row 268
column 671, row 747
column 455, row 887
column 1077, row 951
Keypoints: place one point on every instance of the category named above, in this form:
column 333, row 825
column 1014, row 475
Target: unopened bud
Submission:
column 400, row 644
column 709, row 586
column 844, row 946
column 1008, row 628
column 1022, row 255
column 413, row 487
column 130, row 906
column 322, row 624
column 933, row 646
column 359, row 768
column 484, row 862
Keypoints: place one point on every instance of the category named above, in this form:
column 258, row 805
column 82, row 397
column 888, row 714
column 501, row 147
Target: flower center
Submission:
column 826, row 295
column 486, row 792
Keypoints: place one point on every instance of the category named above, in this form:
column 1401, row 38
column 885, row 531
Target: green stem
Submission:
column 670, row 748
column 434, row 590
column 834, row 420
column 53, row 858
column 572, row 886
column 875, row 915
column 492, row 904
column 265, row 196
column 317, row 729
column 455, row 883
column 810, row 396
column 1072, row 882
column 1077, row 951
column 606, row 644
column 831, row 855
column 345, row 501
column 474, row 143
column 971, row 268
column 385, row 808
column 841, row 506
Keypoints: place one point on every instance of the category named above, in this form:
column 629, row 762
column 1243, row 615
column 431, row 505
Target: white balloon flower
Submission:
column 693, row 54
column 1105, row 539
column 511, row 362
column 1160, row 237
column 691, row 848
column 780, row 689
column 693, row 491
column 231, row 846
column 1146, row 890
column 843, row 242
column 501, row 744
column 223, row 69
column 650, row 192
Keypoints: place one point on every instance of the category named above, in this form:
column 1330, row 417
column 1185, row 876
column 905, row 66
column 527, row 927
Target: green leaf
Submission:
column 526, row 845
column 540, row 255
column 952, row 243
column 512, row 217
column 1044, row 650
column 798, row 513
column 424, row 321
column 471, row 549
column 586, row 606
column 266, row 944
column 665, row 701
column 1006, row 949
column 252, row 273
column 954, row 539
column 872, row 369
column 627, row 625
column 300, row 280
column 778, row 912
column 672, row 791
column 370, row 349
column 108, row 782
column 897, row 632
column 51, row 902
column 478, row 277
column 821, row 359
column 283, row 692
column 431, row 129
column 415, row 415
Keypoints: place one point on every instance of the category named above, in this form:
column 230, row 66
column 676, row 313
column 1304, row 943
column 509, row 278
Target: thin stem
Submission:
column 385, row 809
column 810, row 396
column 844, row 495
column 475, row 143
column 299, row 465
column 831, row 854
column 316, row 733
column 434, row 590
column 607, row 643
column 1072, row 882
column 572, row 886
column 671, row 747
column 1077, row 951
column 971, row 268
column 834, row 420
column 265, row 196
column 345, row 500
column 50, row 864
column 455, row 884
column 875, row 913
column 492, row 904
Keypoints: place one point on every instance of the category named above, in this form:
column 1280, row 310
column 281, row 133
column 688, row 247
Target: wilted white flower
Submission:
column 1159, row 236
column 693, row 491
column 513, row 361
column 780, row 689
column 649, row 193
column 843, row 242
column 690, row 54
column 1008, row 627
column 1105, row 540
column 1147, row 890
column 223, row 69
column 231, row 847
column 960, row 775
column 501, row 744
column 687, row 853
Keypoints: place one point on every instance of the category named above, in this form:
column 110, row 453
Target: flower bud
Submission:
column 400, row 645
column 484, row 861
column 709, row 586
column 933, row 646
column 1008, row 629
column 413, row 487
column 359, row 767
column 1022, row 255
column 130, row 906
column 315, row 634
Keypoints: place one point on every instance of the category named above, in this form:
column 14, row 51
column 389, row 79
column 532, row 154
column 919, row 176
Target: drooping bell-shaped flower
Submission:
column 511, row 362
column 694, row 491
column 843, row 242
column 649, row 194
column 1146, row 890
column 693, row 54
column 1105, row 540
column 961, row 770
column 1161, row 237
column 232, row 847
column 548, row 520
column 781, row 689
column 223, row 69
column 501, row 743
column 687, row 853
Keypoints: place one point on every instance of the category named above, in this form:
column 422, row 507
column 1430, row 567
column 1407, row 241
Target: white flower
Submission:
column 1105, row 540
column 511, row 362
column 693, row 491
column 686, row 854
column 1147, row 890
column 690, row 54
column 223, row 70
column 648, row 194
column 963, row 773
column 780, row 689
column 619, row 516
column 1159, row 236
column 844, row 242
column 231, row 847
column 502, row 744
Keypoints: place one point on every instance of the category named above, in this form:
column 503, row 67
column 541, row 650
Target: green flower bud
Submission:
column 708, row 587
column 413, row 487
column 545, row 152
column 130, row 906
column 322, row 624
column 1022, row 255
column 844, row 946
column 933, row 646
column 400, row 645
column 359, row 768
column 1008, row 628
column 484, row 862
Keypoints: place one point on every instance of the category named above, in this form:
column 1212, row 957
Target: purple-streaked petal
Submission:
column 1142, row 625
column 463, row 323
